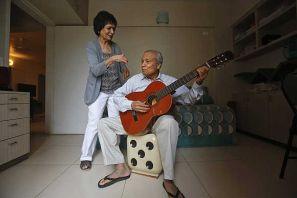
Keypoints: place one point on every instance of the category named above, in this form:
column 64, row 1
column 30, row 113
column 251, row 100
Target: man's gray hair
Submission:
column 159, row 55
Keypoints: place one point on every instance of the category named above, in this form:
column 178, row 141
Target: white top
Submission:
column 139, row 82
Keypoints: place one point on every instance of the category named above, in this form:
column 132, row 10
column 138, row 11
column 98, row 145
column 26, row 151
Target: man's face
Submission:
column 149, row 65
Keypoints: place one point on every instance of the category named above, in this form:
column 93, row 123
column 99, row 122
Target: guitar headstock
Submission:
column 220, row 59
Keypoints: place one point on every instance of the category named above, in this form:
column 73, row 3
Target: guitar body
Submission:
column 136, row 123
column 158, row 96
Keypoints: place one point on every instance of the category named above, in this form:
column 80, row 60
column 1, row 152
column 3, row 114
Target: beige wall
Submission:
column 197, row 31
column 144, row 12
column 66, row 74
column 66, row 77
column 188, row 42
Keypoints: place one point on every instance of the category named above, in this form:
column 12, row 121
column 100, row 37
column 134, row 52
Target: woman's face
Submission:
column 107, row 32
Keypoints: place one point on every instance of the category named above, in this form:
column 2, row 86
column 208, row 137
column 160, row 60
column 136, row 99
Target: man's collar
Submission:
column 158, row 77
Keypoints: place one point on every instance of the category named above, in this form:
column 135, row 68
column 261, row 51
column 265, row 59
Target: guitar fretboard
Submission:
column 176, row 84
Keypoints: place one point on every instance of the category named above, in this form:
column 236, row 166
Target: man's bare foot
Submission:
column 121, row 173
column 172, row 189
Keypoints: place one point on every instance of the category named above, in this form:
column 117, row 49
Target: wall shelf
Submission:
column 266, row 48
column 246, row 36
column 282, row 12
column 253, row 33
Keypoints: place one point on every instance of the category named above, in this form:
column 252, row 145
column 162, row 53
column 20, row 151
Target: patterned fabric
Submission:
column 205, row 125
column 202, row 125
column 110, row 79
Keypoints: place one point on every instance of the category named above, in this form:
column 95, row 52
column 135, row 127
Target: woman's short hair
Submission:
column 103, row 18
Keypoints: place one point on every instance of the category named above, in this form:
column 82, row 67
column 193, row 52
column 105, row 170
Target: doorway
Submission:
column 27, row 54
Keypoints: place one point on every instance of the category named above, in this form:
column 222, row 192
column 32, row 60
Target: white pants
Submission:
column 166, row 129
column 95, row 113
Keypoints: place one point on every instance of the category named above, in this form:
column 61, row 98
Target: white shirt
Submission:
column 139, row 82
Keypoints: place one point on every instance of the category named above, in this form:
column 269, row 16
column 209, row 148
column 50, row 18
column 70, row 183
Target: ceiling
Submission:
column 56, row 12
column 28, row 21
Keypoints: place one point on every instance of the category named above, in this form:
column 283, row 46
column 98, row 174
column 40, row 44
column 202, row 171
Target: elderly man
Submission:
column 166, row 128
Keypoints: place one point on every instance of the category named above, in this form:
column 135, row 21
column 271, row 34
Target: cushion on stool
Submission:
column 143, row 155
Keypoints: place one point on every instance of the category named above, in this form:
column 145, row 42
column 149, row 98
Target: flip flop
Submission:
column 111, row 180
column 172, row 195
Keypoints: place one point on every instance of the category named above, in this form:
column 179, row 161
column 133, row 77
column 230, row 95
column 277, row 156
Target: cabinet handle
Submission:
column 12, row 143
column 12, row 125
column 13, row 109
column 13, row 98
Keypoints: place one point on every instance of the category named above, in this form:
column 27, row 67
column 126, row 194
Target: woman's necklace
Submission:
column 106, row 48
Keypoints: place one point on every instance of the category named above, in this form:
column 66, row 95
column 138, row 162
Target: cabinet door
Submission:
column 18, row 98
column 18, row 127
column 18, row 146
column 3, row 98
column 3, row 130
column 3, row 112
column 15, row 111
column 257, row 122
column 281, row 117
column 3, row 152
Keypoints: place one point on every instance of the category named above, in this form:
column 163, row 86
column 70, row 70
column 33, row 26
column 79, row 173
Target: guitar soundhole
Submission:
column 133, row 162
column 141, row 153
column 152, row 99
column 133, row 143
column 150, row 145
column 149, row 165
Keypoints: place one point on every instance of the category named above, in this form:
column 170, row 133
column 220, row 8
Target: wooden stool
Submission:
column 143, row 155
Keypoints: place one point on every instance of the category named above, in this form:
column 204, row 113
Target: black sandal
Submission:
column 85, row 165
column 177, row 194
column 111, row 180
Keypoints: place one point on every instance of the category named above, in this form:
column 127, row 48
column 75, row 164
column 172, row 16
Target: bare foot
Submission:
column 172, row 189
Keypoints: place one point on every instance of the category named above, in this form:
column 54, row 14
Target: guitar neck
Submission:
column 212, row 63
column 176, row 84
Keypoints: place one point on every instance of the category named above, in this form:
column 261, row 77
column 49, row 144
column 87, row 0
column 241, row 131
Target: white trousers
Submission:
column 95, row 113
column 166, row 129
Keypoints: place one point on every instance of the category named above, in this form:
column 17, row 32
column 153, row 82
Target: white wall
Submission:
column 182, row 48
column 66, row 79
column 70, row 69
column 187, row 42
column 197, row 31
column 144, row 12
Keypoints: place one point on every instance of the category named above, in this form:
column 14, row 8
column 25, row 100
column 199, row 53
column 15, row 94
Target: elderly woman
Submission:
column 107, row 72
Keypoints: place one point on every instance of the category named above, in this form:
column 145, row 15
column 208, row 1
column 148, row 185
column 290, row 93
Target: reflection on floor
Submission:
column 248, row 169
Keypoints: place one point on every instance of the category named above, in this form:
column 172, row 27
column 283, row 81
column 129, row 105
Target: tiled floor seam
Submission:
column 53, row 181
column 203, row 186
column 221, row 160
column 123, row 189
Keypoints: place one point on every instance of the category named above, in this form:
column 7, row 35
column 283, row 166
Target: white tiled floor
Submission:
column 248, row 169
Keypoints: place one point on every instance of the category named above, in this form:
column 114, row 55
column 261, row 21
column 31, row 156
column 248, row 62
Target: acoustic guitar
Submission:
column 158, row 96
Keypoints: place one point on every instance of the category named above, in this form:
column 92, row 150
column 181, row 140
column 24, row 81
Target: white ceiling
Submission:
column 52, row 12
